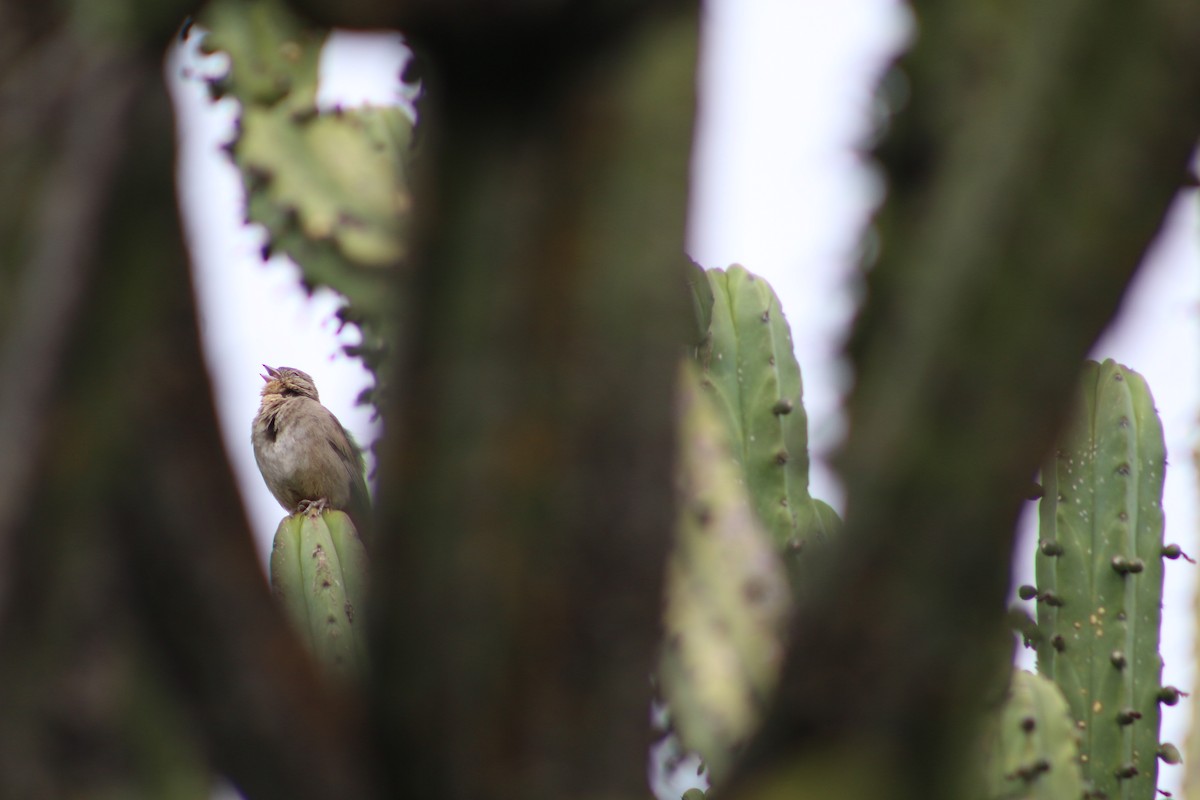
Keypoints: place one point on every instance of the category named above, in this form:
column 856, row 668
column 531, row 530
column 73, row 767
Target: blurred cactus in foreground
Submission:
column 727, row 594
column 328, row 185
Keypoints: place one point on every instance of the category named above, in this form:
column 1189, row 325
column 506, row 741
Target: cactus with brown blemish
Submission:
column 319, row 577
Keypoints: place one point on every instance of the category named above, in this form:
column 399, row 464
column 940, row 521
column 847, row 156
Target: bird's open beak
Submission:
column 271, row 373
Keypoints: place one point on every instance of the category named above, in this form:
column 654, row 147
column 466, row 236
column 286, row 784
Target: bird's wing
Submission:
column 360, row 496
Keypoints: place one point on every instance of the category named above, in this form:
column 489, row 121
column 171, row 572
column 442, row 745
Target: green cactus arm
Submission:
column 287, row 582
column 352, row 556
column 751, row 370
column 314, row 586
column 331, row 629
column 1099, row 572
column 726, row 595
column 748, row 372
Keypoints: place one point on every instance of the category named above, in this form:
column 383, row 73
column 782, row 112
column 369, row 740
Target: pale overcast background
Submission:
column 786, row 95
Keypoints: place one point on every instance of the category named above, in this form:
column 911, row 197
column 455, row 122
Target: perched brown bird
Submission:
column 307, row 458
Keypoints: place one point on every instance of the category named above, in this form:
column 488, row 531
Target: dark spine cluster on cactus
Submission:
column 1100, row 577
column 1032, row 744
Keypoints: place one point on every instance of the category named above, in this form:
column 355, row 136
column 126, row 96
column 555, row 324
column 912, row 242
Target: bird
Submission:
column 308, row 459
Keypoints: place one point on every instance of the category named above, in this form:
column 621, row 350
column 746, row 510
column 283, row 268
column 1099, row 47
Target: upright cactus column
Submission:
column 1100, row 575
column 751, row 371
column 319, row 577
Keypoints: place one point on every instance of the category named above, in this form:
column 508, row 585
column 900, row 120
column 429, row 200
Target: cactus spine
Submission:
column 319, row 577
column 1100, row 574
column 1032, row 744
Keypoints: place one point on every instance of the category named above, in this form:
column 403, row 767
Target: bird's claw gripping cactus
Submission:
column 319, row 577
column 1100, row 576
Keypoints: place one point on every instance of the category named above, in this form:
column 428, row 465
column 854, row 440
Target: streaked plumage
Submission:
column 307, row 458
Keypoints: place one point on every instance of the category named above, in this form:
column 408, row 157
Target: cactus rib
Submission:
column 318, row 574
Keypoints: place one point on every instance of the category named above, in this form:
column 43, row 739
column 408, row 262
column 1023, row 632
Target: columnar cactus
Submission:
column 1099, row 576
column 319, row 577
column 1088, row 727
column 744, row 501
column 750, row 370
column 1032, row 744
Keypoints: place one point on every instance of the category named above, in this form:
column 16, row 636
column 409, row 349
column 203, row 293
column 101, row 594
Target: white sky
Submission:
column 786, row 91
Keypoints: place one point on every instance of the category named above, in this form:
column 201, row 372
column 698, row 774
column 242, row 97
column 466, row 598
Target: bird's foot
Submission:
column 312, row 508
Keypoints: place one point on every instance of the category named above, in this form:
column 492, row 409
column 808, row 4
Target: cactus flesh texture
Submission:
column 743, row 505
column 1100, row 575
column 1032, row 744
column 750, row 370
column 319, row 577
column 727, row 595
column 328, row 185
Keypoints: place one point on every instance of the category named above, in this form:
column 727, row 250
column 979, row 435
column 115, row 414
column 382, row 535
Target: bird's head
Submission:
column 289, row 382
